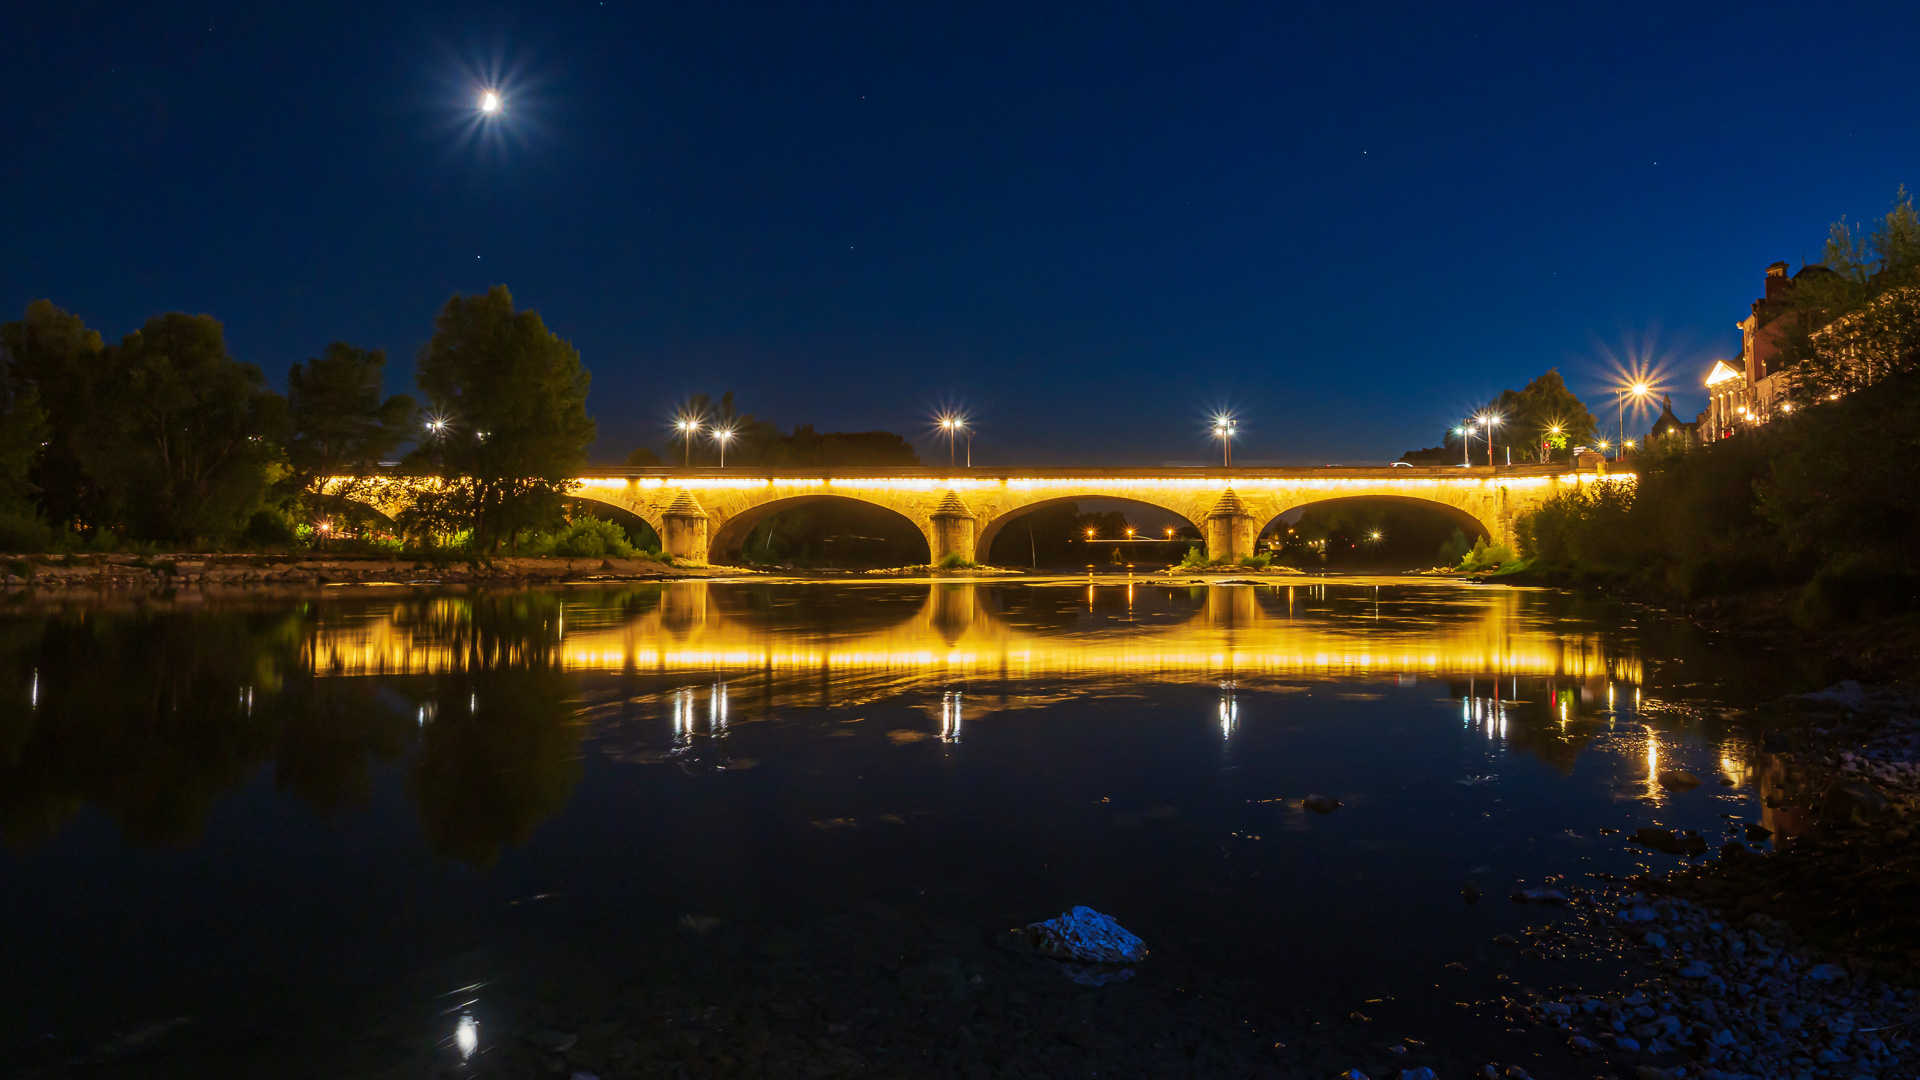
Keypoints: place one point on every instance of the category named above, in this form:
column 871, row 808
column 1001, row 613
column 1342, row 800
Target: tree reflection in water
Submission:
column 153, row 711
column 152, row 716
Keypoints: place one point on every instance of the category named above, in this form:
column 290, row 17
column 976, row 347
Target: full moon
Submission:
column 489, row 102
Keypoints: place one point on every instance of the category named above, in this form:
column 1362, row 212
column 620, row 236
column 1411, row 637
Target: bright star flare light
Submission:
column 490, row 102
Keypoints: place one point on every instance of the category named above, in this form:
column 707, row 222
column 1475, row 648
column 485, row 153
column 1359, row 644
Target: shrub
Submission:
column 1455, row 548
column 592, row 538
column 1194, row 559
column 1485, row 556
column 954, row 561
column 269, row 528
column 1257, row 562
column 1859, row 587
column 19, row 532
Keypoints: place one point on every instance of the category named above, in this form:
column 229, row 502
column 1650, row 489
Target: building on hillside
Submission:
column 1748, row 390
column 1669, row 427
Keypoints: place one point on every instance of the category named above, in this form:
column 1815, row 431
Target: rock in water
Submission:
column 1678, row 779
column 1086, row 935
column 1470, row 894
column 1321, row 804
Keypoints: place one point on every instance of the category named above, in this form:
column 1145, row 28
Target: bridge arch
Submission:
column 1470, row 522
column 728, row 536
column 990, row 531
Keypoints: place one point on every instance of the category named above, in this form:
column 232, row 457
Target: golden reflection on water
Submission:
column 960, row 632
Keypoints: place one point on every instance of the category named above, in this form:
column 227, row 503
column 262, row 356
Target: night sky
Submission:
column 1088, row 225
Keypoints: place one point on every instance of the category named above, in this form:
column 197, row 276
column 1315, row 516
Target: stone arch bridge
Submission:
column 705, row 515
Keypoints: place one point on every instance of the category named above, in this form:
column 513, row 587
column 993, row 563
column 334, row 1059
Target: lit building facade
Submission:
column 1752, row 388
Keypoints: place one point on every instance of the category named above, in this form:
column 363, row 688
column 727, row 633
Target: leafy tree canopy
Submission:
column 341, row 424
column 52, row 357
column 509, row 404
column 183, row 439
column 1542, row 412
column 758, row 442
column 1856, row 317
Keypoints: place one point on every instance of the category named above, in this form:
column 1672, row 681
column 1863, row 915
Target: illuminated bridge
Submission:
column 705, row 514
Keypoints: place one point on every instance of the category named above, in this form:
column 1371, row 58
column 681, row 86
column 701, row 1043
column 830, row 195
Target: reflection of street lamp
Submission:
column 688, row 427
column 1224, row 429
column 721, row 435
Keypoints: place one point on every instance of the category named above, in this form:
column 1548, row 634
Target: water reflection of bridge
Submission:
column 1154, row 631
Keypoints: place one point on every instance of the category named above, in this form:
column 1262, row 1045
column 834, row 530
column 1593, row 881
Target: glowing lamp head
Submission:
column 723, row 434
column 490, row 103
column 466, row 1035
column 1089, row 534
column 1373, row 536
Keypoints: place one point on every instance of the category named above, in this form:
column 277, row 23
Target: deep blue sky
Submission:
column 1085, row 223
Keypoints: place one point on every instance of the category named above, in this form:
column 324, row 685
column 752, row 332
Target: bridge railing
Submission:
column 1036, row 472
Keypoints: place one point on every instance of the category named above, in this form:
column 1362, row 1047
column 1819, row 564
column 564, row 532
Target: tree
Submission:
column 757, row 442
column 23, row 426
column 1534, row 415
column 182, row 440
column 1855, row 319
column 643, row 458
column 341, row 426
column 51, row 355
column 509, row 401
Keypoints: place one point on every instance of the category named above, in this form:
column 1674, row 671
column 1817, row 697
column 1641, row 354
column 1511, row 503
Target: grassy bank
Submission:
column 1805, row 528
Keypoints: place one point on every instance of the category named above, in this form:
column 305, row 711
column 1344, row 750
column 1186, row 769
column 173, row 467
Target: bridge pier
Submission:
column 684, row 529
column 1230, row 529
column 953, row 530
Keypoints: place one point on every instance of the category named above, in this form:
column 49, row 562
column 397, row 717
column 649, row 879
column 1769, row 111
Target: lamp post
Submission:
column 1224, row 429
column 1639, row 389
column 1489, row 421
column 952, row 427
column 721, row 435
column 688, row 427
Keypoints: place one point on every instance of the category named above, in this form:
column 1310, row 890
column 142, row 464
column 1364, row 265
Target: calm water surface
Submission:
column 312, row 831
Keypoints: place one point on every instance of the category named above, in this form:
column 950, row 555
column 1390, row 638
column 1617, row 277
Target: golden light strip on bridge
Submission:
column 1025, row 483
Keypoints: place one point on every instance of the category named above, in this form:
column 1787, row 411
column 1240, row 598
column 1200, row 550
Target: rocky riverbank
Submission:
column 157, row 572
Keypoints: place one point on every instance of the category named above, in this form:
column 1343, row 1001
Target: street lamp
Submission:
column 953, row 426
column 1224, row 429
column 688, row 427
column 1465, row 431
column 1639, row 390
column 721, row 435
column 1489, row 421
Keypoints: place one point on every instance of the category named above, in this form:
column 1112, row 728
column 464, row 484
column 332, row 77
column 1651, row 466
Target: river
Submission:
column 741, row 826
